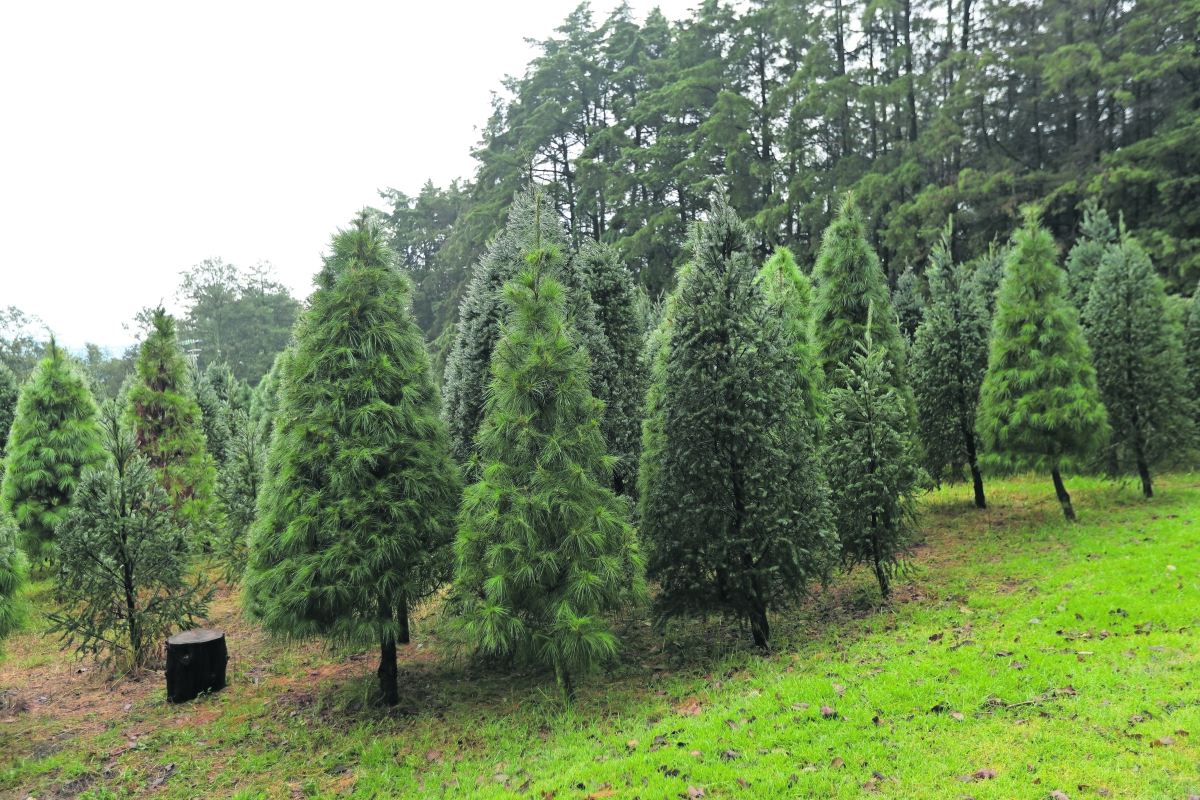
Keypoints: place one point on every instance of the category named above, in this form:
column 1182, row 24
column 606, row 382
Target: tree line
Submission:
column 759, row 431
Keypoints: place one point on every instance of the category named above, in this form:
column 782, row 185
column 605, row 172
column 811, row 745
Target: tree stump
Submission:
column 195, row 663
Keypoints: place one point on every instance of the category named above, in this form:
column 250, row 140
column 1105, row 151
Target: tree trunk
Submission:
column 973, row 460
column 880, row 572
column 760, row 625
column 564, row 680
column 1143, row 470
column 403, row 620
column 388, row 674
column 1063, row 497
column 195, row 664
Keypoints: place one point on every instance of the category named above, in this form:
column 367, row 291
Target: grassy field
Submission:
column 1019, row 657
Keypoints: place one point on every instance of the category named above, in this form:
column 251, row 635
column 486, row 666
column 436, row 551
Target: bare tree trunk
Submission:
column 1063, row 497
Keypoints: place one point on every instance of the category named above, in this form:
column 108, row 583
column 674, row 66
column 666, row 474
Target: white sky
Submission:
column 137, row 139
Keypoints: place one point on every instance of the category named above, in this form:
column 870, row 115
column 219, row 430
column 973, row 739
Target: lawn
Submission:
column 1020, row 656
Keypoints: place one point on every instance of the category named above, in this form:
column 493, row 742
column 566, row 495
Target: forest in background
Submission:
column 922, row 110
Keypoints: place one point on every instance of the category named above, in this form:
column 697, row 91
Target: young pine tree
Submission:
column 1140, row 367
column 122, row 579
column 238, row 486
column 1096, row 235
column 949, row 360
column 544, row 545
column 357, row 511
column 1038, row 408
column 14, row 571
column 908, row 303
column 214, row 419
column 871, row 464
column 53, row 441
column 9, row 394
column 1192, row 349
column 613, row 291
column 265, row 400
column 168, row 424
column 732, row 499
column 790, row 292
column 986, row 273
column 849, row 281
column 468, row 368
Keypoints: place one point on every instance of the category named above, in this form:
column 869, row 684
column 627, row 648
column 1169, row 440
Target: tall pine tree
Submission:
column 54, row 439
column 949, row 360
column 790, row 292
column 872, row 465
column 357, row 512
column 733, row 500
column 612, row 289
column 1096, row 235
column 908, row 303
column 1192, row 350
column 545, row 548
column 214, row 413
column 14, row 571
column 1038, row 408
column 168, row 424
column 10, row 392
column 1140, row 367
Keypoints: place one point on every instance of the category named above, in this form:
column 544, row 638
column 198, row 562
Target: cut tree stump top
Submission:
column 196, row 637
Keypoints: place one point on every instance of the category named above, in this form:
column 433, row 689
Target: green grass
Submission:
column 1088, row 626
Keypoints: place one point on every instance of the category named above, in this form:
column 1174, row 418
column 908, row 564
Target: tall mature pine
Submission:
column 614, row 292
column 790, row 292
column 14, row 571
column 54, row 439
column 733, row 500
column 545, row 548
column 872, row 464
column 949, row 360
column 168, row 425
column 1140, row 366
column 358, row 508
column 849, row 283
column 1096, row 235
column 532, row 224
column 1038, row 408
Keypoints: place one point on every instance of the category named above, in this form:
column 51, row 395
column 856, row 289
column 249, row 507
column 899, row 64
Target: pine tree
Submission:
column 908, row 303
column 612, row 289
column 357, row 511
column 849, row 281
column 482, row 311
column 733, row 501
column 544, row 545
column 122, row 579
column 14, row 571
column 1140, row 367
column 1096, row 234
column 1192, row 350
column 949, row 360
column 54, row 440
column 214, row 411
column 238, row 485
column 986, row 273
column 168, row 424
column 1038, row 408
column 10, row 392
column 265, row 399
column 790, row 291
column 872, row 465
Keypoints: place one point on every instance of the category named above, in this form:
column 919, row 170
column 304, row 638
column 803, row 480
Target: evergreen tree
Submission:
column 790, row 292
column 54, row 440
column 265, row 399
column 1192, row 350
column 356, row 514
column 122, row 579
column 238, row 485
column 872, row 465
column 1096, row 235
column 530, row 226
column 849, row 282
column 986, row 273
column 14, row 571
column 908, row 303
column 10, row 392
column 1038, row 407
column 214, row 412
column 1140, row 367
column 732, row 497
column 544, row 545
column 168, row 424
column 613, row 291
column 949, row 360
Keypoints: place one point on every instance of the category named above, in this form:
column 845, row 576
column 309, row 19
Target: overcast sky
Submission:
column 139, row 139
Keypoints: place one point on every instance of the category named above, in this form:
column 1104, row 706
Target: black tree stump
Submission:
column 195, row 663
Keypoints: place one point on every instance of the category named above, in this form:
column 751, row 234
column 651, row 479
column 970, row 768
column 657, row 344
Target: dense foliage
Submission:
column 1096, row 233
column 168, row 424
column 9, row 394
column 122, row 582
column 1038, row 407
column 54, row 440
column 790, row 292
column 358, row 506
column 1140, row 368
column 239, row 482
column 544, row 546
column 14, row 571
column 734, row 506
